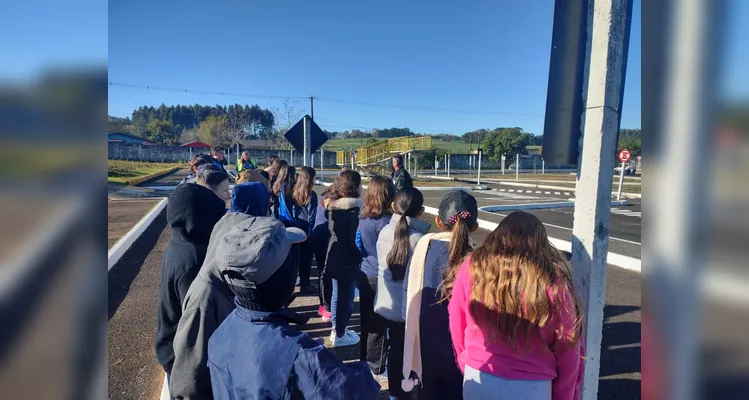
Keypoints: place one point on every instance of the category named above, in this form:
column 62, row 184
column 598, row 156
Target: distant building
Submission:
column 259, row 144
column 196, row 143
column 127, row 138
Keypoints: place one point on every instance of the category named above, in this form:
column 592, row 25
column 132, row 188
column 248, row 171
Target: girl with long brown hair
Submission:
column 428, row 349
column 282, row 193
column 514, row 317
column 394, row 249
column 374, row 216
column 305, row 214
column 343, row 258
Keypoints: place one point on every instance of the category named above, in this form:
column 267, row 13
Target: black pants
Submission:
column 307, row 251
column 396, row 334
column 317, row 246
column 372, row 348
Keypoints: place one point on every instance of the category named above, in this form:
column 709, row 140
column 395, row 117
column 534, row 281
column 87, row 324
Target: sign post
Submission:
column 307, row 154
column 517, row 167
column 478, row 176
column 503, row 164
column 306, row 137
column 322, row 159
column 624, row 156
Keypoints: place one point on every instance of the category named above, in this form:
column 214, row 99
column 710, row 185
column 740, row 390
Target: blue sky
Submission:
column 487, row 59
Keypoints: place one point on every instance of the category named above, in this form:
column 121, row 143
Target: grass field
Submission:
column 452, row 147
column 122, row 172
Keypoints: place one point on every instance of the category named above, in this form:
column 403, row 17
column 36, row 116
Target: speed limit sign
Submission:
column 624, row 155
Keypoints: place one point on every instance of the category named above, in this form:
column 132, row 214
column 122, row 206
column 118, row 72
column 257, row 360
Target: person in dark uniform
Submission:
column 400, row 177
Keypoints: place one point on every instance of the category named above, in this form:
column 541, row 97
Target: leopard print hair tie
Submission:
column 462, row 215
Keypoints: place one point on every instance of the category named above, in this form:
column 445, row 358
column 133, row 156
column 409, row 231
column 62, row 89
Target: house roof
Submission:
column 195, row 143
column 115, row 136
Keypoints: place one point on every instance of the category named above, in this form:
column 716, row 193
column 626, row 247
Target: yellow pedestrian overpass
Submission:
column 380, row 151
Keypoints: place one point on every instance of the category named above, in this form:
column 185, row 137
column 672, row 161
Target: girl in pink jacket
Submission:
column 514, row 318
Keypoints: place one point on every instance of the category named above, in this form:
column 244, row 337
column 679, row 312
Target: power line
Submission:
column 366, row 103
column 332, row 100
column 207, row 92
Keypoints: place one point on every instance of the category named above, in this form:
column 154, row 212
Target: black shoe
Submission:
column 308, row 289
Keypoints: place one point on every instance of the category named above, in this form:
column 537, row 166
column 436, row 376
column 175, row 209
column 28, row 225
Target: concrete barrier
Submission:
column 122, row 245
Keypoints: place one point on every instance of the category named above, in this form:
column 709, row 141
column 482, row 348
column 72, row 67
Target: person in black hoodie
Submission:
column 343, row 205
column 192, row 212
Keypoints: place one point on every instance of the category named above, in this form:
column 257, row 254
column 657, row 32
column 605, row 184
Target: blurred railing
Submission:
column 382, row 149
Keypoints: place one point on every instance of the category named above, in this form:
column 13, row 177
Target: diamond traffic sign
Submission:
column 295, row 136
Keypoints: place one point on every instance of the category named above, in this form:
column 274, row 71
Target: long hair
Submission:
column 303, row 186
column 379, row 196
column 286, row 175
column 198, row 160
column 346, row 184
column 458, row 213
column 276, row 167
column 408, row 203
column 512, row 273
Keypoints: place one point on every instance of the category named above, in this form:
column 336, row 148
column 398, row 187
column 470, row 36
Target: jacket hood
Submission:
column 210, row 270
column 250, row 198
column 413, row 223
column 345, row 203
column 192, row 212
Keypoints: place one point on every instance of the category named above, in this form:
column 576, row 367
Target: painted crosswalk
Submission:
column 532, row 191
column 627, row 212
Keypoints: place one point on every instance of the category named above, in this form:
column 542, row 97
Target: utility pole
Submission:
column 312, row 107
column 608, row 25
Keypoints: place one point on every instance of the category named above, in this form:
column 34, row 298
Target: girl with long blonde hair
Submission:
column 515, row 321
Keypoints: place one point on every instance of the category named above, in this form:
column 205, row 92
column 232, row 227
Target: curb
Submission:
column 427, row 188
column 121, row 247
column 551, row 187
column 541, row 206
column 157, row 174
column 615, row 259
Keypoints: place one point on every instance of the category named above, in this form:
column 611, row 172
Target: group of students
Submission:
column 440, row 318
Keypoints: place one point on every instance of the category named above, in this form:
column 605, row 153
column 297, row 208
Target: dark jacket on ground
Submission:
column 343, row 260
column 437, row 356
column 208, row 302
column 257, row 355
column 192, row 212
column 366, row 241
column 401, row 179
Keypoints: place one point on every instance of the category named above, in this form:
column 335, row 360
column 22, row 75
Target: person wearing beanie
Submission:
column 192, row 212
column 256, row 353
column 238, row 242
column 428, row 359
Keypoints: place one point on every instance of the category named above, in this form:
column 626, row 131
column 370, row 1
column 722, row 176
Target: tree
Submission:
column 119, row 124
column 283, row 119
column 630, row 139
column 161, row 132
column 507, row 141
column 213, row 131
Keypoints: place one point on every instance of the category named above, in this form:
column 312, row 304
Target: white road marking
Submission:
column 547, row 192
column 566, row 193
column 557, row 193
column 624, row 211
column 501, row 190
column 511, row 190
column 538, row 191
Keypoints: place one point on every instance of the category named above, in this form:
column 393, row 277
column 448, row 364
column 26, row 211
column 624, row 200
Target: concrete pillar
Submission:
column 608, row 33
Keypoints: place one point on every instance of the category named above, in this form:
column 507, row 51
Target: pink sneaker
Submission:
column 324, row 314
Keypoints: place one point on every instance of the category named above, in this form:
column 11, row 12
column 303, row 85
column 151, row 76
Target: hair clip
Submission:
column 462, row 215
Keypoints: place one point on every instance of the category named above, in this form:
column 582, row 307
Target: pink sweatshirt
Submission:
column 548, row 358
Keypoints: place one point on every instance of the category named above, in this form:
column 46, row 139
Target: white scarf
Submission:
column 415, row 286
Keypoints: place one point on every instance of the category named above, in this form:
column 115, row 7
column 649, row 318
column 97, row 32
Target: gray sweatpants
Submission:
column 484, row 386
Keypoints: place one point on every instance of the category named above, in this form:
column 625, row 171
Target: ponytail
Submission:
column 398, row 256
column 459, row 248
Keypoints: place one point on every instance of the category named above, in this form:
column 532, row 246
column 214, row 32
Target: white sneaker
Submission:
column 349, row 338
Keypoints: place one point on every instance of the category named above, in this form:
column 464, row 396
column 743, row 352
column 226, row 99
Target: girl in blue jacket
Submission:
column 304, row 214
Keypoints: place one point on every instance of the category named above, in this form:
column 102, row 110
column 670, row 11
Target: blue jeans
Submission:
column 342, row 303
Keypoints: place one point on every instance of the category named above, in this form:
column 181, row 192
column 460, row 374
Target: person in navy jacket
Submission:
column 256, row 354
column 305, row 213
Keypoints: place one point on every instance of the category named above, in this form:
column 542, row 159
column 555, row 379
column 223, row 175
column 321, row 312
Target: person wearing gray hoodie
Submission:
column 209, row 299
column 394, row 249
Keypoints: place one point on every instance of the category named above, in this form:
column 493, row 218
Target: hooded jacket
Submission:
column 343, row 258
column 192, row 212
column 251, row 198
column 208, row 302
column 258, row 355
column 389, row 298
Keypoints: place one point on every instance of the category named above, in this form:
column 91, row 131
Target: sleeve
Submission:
column 312, row 212
column 358, row 240
column 568, row 355
column 184, row 282
column 190, row 378
column 457, row 310
column 320, row 374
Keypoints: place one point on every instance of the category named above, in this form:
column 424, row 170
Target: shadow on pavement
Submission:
column 124, row 272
